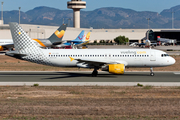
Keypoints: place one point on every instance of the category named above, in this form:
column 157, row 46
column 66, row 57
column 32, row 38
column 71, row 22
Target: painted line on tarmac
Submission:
column 178, row 73
column 28, row 75
column 89, row 83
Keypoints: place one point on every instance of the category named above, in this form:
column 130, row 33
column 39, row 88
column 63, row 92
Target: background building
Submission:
column 134, row 35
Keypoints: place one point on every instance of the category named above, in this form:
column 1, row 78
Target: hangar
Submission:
column 170, row 34
column 134, row 35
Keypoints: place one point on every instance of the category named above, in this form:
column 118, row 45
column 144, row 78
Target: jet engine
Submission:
column 147, row 43
column 1, row 48
column 114, row 68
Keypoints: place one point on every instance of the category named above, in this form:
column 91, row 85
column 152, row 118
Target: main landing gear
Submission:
column 151, row 70
column 95, row 72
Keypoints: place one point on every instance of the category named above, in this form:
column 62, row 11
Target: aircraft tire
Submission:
column 152, row 74
column 94, row 73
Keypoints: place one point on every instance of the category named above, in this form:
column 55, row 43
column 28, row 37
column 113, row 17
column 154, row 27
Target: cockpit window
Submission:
column 164, row 55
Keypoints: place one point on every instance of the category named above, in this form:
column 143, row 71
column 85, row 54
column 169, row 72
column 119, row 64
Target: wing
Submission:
column 96, row 62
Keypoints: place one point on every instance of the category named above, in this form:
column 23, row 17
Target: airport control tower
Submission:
column 76, row 5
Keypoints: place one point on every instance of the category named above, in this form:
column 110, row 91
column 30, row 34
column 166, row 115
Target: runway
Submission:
column 80, row 78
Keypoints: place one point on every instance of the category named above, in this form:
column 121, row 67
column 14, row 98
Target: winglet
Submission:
column 71, row 59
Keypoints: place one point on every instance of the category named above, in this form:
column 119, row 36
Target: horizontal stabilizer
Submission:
column 15, row 54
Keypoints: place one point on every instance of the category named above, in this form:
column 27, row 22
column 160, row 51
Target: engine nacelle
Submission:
column 147, row 43
column 115, row 68
column 1, row 48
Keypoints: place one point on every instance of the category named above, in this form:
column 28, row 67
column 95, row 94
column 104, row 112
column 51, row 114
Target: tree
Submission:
column 95, row 41
column 121, row 40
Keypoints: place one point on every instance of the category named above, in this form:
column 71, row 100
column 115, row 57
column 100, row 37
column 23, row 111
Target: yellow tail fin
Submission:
column 88, row 36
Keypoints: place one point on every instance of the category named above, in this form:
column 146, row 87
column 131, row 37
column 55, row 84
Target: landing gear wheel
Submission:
column 152, row 74
column 94, row 73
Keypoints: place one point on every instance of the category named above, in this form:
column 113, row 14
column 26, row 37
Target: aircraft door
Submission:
column 153, row 56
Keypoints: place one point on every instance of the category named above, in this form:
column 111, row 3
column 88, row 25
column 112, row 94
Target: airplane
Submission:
column 81, row 40
column 5, row 44
column 112, row 60
column 148, row 43
column 166, row 41
column 53, row 40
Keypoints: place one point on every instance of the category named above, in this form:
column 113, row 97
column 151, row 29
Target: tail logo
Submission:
column 19, row 33
column 88, row 36
column 81, row 37
column 59, row 34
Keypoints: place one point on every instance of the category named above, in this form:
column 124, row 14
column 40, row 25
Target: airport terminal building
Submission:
column 134, row 35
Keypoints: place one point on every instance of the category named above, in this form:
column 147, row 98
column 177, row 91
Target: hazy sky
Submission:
column 138, row 5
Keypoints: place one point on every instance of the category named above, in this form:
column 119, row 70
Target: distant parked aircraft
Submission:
column 82, row 39
column 54, row 39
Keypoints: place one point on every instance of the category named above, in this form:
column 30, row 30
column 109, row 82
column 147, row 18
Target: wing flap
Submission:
column 99, row 62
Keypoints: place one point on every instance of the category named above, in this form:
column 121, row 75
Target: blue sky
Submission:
column 138, row 5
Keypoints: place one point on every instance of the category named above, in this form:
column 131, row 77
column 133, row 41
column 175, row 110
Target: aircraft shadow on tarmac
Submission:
column 80, row 75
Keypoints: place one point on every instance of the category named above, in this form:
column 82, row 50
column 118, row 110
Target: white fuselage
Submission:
column 6, row 42
column 40, row 43
column 131, row 57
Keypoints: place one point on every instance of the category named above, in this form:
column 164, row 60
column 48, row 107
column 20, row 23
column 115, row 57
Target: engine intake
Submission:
column 114, row 68
column 1, row 48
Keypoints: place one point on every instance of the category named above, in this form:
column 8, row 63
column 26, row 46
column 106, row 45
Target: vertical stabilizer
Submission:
column 81, row 37
column 25, row 48
column 57, row 36
column 88, row 36
column 22, row 42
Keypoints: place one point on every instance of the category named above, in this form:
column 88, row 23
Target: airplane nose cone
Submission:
column 173, row 61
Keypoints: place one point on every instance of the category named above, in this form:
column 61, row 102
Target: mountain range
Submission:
column 110, row 17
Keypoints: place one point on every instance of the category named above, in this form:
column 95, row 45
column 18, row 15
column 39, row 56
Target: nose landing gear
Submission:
column 151, row 70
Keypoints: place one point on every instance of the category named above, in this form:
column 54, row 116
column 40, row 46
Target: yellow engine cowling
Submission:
column 116, row 68
column 1, row 48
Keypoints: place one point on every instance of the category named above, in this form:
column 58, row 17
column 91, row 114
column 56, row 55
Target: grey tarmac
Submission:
column 82, row 78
